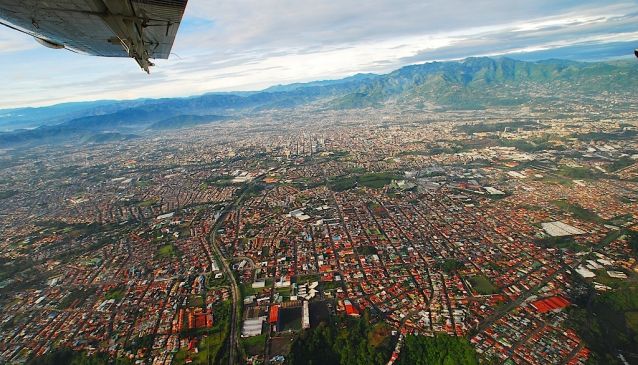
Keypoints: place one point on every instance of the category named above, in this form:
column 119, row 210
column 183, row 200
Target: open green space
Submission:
column 611, row 237
column 370, row 180
column 254, row 345
column 195, row 301
column 219, row 180
column 482, row 285
column 366, row 250
column 246, row 290
column 566, row 243
column 148, row 203
column 450, row 265
column 529, row 145
column 69, row 357
column 621, row 164
column 303, row 279
column 579, row 212
column 166, row 252
column 579, row 173
column 632, row 236
column 75, row 295
column 116, row 293
column 290, row 319
column 553, row 179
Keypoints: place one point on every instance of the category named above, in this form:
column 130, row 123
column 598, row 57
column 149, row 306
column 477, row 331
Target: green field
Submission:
column 254, row 345
column 166, row 251
column 369, row 180
column 579, row 212
column 195, row 301
column 148, row 203
column 115, row 293
column 483, row 285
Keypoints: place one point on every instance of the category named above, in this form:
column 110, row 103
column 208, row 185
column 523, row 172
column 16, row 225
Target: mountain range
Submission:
column 474, row 83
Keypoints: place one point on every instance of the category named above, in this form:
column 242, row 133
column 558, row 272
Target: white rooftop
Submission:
column 560, row 229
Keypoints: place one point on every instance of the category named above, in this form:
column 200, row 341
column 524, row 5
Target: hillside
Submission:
column 474, row 83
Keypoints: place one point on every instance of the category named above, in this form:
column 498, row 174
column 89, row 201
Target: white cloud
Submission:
column 251, row 44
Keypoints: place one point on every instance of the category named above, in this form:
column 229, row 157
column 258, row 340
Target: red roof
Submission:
column 274, row 314
column 550, row 304
column 351, row 310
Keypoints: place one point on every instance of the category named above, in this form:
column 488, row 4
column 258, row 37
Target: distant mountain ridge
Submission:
column 185, row 121
column 474, row 83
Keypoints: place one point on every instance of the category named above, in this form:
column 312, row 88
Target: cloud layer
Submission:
column 251, row 44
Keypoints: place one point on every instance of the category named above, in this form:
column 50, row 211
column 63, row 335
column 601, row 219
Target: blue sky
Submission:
column 228, row 45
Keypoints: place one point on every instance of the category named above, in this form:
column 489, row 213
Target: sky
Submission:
column 238, row 45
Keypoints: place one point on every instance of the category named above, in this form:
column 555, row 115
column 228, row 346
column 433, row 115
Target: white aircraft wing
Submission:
column 140, row 29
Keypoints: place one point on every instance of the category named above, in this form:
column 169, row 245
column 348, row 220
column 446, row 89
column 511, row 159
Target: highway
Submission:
column 224, row 264
column 235, row 295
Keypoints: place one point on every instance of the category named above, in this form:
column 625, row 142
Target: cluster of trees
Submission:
column 370, row 180
column 500, row 127
column 608, row 323
column 437, row 350
column 633, row 241
column 538, row 144
column 451, row 265
column 353, row 341
column 69, row 357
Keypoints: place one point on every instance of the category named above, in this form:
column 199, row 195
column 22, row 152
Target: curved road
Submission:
column 234, row 291
column 235, row 294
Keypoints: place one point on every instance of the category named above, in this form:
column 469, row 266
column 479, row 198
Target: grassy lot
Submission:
column 115, row 293
column 330, row 285
column 578, row 172
column 550, row 179
column 366, row 250
column 285, row 292
column 211, row 282
column 377, row 180
column 254, row 345
column 603, row 278
column 166, row 251
column 562, row 243
column 303, row 279
column 290, row 319
column 7, row 194
column 148, row 203
column 370, row 180
column 483, row 285
column 246, row 290
column 195, row 301
column 611, row 237
column 77, row 294
column 579, row 212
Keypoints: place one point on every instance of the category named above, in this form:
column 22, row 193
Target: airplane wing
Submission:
column 140, row 29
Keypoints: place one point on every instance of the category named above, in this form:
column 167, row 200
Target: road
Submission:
column 224, row 263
